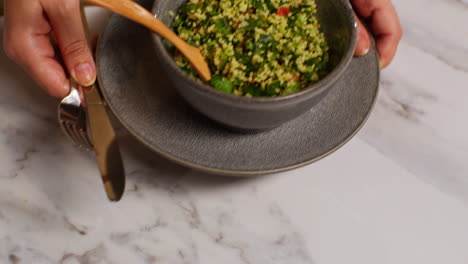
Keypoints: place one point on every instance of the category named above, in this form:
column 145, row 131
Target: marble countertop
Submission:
column 396, row 193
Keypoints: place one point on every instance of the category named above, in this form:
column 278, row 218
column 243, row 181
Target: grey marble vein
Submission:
column 463, row 2
column 95, row 255
column 412, row 108
column 407, row 103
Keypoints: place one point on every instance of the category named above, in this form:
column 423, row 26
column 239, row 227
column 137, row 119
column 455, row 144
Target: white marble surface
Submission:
column 397, row 193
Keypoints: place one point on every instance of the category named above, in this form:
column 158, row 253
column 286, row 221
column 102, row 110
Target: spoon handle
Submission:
column 139, row 14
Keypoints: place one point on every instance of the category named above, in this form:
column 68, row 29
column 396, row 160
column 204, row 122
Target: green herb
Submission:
column 254, row 24
column 222, row 26
column 221, row 84
column 292, row 88
column 265, row 44
column 271, row 6
column 271, row 90
column 253, row 91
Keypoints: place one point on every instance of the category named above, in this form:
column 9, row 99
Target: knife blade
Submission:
column 105, row 144
column 108, row 157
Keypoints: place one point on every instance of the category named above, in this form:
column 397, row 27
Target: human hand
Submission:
column 384, row 24
column 36, row 30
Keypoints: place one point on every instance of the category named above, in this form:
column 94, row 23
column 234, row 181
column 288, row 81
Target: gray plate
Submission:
column 143, row 99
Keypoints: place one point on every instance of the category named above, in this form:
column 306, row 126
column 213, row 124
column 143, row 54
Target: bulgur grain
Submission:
column 255, row 47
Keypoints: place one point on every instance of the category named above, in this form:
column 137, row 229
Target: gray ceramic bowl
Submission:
column 263, row 113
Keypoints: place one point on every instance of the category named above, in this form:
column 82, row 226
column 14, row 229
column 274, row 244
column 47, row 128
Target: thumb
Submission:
column 363, row 39
column 65, row 18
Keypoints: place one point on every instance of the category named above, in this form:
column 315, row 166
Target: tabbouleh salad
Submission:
column 255, row 47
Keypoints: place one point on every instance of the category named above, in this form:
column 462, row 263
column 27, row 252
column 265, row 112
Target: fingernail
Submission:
column 363, row 52
column 382, row 64
column 84, row 74
column 67, row 88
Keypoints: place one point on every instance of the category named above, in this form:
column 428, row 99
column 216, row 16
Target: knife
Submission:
column 103, row 137
column 105, row 144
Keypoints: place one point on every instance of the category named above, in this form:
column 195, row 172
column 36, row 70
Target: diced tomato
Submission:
column 250, row 11
column 283, row 11
column 235, row 22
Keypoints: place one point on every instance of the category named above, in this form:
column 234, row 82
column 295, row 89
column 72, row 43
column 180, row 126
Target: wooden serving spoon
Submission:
column 139, row 14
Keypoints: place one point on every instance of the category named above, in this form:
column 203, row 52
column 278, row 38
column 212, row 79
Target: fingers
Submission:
column 27, row 42
column 66, row 22
column 385, row 26
column 363, row 40
column 44, row 68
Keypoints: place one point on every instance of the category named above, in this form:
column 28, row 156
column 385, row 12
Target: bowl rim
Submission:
column 303, row 95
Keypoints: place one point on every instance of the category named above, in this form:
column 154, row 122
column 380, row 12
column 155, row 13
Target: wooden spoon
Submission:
column 139, row 14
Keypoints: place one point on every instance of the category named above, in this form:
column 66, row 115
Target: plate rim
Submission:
column 212, row 170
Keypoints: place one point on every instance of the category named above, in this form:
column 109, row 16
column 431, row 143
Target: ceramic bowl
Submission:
column 263, row 113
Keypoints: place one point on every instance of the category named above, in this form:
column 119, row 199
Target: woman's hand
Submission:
column 35, row 28
column 33, row 31
column 384, row 24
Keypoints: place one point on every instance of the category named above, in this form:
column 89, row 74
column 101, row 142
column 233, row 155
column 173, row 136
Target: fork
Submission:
column 85, row 121
column 72, row 117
